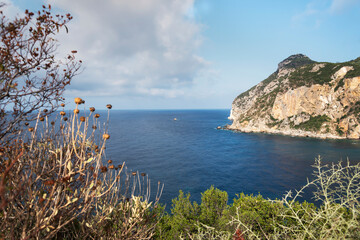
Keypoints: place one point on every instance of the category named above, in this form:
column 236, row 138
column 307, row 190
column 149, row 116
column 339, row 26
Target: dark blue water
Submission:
column 191, row 154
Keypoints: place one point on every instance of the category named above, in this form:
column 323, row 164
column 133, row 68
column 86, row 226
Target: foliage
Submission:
column 305, row 77
column 314, row 123
column 297, row 61
column 335, row 189
column 31, row 77
column 213, row 204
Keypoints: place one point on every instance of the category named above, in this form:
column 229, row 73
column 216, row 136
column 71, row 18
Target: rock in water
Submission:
column 303, row 98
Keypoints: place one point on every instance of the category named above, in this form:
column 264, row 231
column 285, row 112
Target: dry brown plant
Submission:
column 57, row 176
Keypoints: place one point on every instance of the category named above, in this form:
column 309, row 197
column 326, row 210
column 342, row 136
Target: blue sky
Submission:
column 194, row 54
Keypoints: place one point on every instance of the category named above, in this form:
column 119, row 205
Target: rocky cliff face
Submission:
column 303, row 98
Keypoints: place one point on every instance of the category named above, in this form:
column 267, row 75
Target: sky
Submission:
column 193, row 54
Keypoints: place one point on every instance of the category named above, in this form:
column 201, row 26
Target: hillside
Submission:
column 303, row 98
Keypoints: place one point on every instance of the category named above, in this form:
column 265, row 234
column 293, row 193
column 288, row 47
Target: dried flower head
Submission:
column 97, row 115
column 41, row 200
column 31, row 129
column 78, row 100
column 109, row 161
column 111, row 167
column 106, row 136
column 103, row 169
column 63, row 104
column 94, row 127
column 41, row 119
column 26, row 124
column 49, row 182
column 120, row 166
column 82, row 119
column 76, row 111
column 92, row 109
column 62, row 113
column 109, row 106
column 52, row 123
column 65, row 119
column 133, row 173
column 45, row 110
column 143, row 174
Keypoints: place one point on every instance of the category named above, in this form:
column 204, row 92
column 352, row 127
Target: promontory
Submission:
column 303, row 98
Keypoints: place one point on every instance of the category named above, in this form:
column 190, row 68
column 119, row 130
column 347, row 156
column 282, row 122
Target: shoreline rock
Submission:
column 296, row 133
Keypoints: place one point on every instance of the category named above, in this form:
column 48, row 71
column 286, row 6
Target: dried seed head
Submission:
column 52, row 123
column 49, row 182
column 31, row 129
column 94, row 127
column 76, row 111
column 120, row 166
column 97, row 115
column 92, row 109
column 65, row 119
column 82, row 119
column 111, row 167
column 109, row 161
column 62, row 113
column 63, row 104
column 45, row 110
column 26, row 124
column 103, row 169
column 96, row 146
column 78, row 100
column 133, row 173
column 143, row 174
column 109, row 106
column 106, row 136
column 41, row 119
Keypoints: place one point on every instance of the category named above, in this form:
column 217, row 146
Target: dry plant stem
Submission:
column 3, row 179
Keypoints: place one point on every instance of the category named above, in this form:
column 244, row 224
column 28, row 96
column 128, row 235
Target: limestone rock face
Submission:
column 303, row 98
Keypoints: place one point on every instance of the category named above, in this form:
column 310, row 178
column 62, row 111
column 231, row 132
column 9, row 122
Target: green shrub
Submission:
column 213, row 204
column 314, row 123
column 182, row 221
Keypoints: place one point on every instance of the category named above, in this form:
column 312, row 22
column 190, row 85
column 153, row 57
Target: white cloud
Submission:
column 144, row 47
column 9, row 9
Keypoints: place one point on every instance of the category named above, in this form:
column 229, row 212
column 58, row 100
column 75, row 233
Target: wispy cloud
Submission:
column 144, row 47
column 340, row 6
column 309, row 11
column 316, row 10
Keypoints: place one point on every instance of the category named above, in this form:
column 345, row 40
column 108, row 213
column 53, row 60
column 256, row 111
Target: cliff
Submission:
column 303, row 98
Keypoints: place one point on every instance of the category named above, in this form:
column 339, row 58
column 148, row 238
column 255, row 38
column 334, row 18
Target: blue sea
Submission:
column 191, row 154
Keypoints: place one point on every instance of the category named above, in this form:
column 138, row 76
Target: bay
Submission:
column 191, row 154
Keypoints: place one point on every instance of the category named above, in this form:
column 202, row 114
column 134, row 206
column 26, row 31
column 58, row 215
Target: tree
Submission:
column 32, row 79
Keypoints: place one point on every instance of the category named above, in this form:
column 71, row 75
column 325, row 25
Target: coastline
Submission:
column 291, row 132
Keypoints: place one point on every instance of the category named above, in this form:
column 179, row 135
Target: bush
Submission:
column 253, row 217
column 55, row 182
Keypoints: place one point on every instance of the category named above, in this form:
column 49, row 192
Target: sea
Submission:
column 184, row 150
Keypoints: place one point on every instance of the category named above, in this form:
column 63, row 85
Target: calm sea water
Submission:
column 191, row 154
